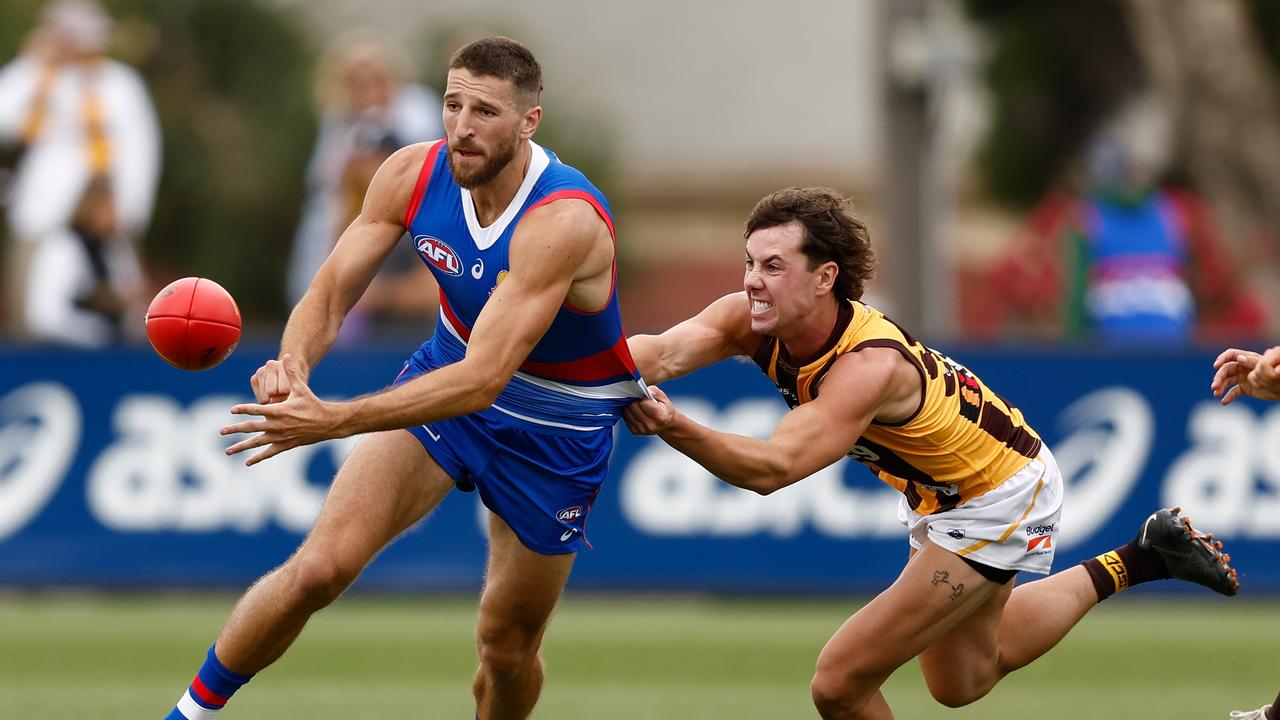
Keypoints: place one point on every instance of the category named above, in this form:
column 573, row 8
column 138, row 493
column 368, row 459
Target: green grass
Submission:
column 117, row 657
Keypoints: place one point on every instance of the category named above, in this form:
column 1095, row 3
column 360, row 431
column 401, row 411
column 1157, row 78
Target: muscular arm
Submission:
column 720, row 331
column 553, row 246
column 363, row 247
column 874, row 383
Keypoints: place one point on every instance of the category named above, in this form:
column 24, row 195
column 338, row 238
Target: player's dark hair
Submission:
column 505, row 59
column 831, row 233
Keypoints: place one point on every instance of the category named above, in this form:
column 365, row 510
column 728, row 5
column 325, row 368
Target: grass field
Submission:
column 116, row 657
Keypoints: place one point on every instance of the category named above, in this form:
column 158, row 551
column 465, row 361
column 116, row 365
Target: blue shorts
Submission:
column 542, row 484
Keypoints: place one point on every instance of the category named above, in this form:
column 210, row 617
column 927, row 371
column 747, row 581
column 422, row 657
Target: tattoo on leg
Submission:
column 942, row 577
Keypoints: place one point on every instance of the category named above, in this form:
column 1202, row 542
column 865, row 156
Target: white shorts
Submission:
column 1012, row 527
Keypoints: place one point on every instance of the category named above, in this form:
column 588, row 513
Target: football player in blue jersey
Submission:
column 514, row 397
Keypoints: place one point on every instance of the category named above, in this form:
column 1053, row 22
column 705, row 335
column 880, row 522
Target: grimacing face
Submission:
column 483, row 124
column 781, row 288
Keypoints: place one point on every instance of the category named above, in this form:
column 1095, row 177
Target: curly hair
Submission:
column 831, row 233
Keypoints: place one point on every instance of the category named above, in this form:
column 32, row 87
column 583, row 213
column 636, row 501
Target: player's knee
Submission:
column 956, row 694
column 319, row 578
column 836, row 691
column 507, row 649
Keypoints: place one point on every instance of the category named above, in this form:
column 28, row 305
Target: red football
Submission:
column 193, row 323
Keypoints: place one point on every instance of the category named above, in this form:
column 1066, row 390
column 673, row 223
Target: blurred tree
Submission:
column 1209, row 66
column 232, row 86
column 1061, row 68
column 230, row 80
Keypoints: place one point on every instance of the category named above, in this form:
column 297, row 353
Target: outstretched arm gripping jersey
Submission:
column 963, row 439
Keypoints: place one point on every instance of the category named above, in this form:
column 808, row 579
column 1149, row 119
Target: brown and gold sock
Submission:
column 1122, row 568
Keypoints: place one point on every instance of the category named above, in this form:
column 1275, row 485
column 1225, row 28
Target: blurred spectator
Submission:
column 69, row 117
column 1125, row 259
column 85, row 280
column 367, row 113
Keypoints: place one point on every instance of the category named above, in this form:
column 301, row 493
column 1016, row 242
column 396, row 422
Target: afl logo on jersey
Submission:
column 439, row 254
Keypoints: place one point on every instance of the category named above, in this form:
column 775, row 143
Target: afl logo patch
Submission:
column 568, row 514
column 439, row 254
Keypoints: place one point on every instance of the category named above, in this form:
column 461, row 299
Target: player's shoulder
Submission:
column 402, row 168
column 391, row 192
column 410, row 157
column 730, row 316
column 568, row 216
column 558, row 175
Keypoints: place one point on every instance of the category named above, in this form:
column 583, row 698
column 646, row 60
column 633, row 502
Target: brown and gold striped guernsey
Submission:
column 962, row 441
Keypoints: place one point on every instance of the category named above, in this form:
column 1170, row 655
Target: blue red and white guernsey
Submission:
column 580, row 375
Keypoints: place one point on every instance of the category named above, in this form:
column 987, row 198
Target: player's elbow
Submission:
column 646, row 351
column 483, row 391
column 775, row 475
column 764, row 488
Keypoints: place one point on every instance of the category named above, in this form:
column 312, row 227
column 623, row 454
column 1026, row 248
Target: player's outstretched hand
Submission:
column 650, row 417
column 1243, row 372
column 271, row 383
column 300, row 419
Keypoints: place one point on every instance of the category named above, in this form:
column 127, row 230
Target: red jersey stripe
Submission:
column 420, row 188
column 463, row 331
column 609, row 363
column 580, row 195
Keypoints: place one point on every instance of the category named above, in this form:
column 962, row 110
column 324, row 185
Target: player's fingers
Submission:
column 650, row 409
column 248, row 426
column 635, row 427
column 1247, row 360
column 260, row 391
column 658, row 415
column 293, row 374
column 1232, row 394
column 638, row 418
column 258, row 381
column 250, row 443
column 658, row 394
column 1224, row 356
column 254, row 409
column 1223, row 378
column 1271, row 358
column 267, row 383
column 1263, row 377
column 271, row 451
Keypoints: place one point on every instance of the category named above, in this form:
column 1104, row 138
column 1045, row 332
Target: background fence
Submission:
column 112, row 475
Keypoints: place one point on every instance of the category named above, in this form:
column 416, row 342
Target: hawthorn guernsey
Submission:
column 580, row 375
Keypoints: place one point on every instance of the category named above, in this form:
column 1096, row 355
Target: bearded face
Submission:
column 473, row 165
column 485, row 120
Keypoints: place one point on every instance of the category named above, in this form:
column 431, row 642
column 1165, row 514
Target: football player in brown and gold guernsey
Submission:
column 1247, row 373
column 981, row 494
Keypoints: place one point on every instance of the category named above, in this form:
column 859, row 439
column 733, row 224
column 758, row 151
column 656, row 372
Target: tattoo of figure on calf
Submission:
column 942, row 577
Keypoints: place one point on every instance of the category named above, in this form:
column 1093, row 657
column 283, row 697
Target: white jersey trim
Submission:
column 485, row 237
column 548, row 423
